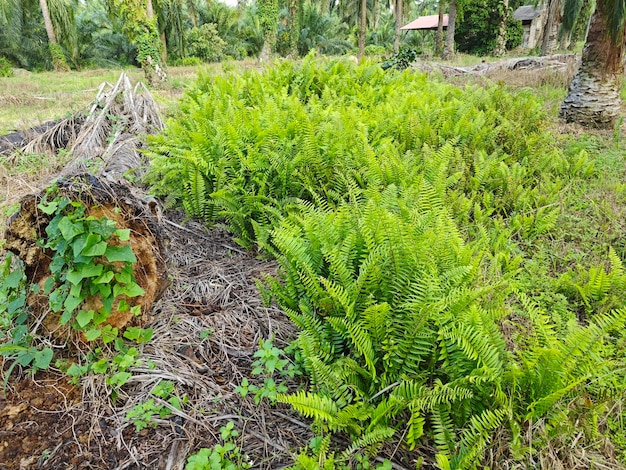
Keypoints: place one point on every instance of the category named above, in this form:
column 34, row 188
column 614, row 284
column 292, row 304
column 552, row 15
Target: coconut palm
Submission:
column 594, row 93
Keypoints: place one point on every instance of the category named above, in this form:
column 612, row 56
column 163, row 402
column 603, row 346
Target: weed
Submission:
column 143, row 414
column 80, row 243
column 268, row 363
column 14, row 328
column 226, row 455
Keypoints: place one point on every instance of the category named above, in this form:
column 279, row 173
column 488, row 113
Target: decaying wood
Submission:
column 105, row 146
column 560, row 62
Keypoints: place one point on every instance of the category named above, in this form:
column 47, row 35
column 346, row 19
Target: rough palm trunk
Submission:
column 439, row 37
column 554, row 18
column 294, row 28
column 593, row 98
column 500, row 48
column 58, row 60
column 193, row 13
column 363, row 28
column 268, row 12
column 398, row 12
column 149, row 9
column 448, row 53
column 376, row 13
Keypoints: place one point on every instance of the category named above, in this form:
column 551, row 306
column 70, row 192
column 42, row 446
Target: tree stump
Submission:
column 104, row 151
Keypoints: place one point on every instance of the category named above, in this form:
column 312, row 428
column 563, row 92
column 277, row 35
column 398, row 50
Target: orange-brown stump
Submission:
column 115, row 201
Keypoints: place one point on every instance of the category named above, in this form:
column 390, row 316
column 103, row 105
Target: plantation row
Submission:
column 404, row 213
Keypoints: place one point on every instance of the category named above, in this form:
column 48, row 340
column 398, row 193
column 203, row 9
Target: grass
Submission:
column 29, row 99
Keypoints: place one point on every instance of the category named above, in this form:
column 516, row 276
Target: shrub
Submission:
column 205, row 43
column 374, row 50
column 187, row 62
column 5, row 68
column 514, row 33
column 478, row 32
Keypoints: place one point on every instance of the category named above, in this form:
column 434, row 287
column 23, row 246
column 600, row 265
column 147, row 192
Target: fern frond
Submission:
column 444, row 433
column 371, row 439
column 311, row 405
column 475, row 437
column 538, row 408
column 415, row 428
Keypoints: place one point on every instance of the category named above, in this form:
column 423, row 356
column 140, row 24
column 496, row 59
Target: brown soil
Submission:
column 43, row 424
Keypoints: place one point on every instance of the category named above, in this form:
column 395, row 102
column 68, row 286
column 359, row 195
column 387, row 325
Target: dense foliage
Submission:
column 477, row 33
column 405, row 214
column 109, row 32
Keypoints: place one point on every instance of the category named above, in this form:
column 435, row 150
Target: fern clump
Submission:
column 245, row 148
column 404, row 213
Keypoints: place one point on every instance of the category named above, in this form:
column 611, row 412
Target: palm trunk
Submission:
column 193, row 13
column 363, row 28
column 593, row 98
column 268, row 12
column 149, row 10
column 448, row 53
column 164, row 48
column 551, row 30
column 294, row 28
column 58, row 59
column 376, row 13
column 439, row 37
column 398, row 12
column 500, row 48
column 48, row 21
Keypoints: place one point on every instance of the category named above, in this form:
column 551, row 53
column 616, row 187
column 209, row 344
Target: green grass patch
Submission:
column 29, row 99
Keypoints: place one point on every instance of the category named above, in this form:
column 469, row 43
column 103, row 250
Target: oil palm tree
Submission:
column 448, row 52
column 57, row 17
column 268, row 11
column 57, row 55
column 593, row 98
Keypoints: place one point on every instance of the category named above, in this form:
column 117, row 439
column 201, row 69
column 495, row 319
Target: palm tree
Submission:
column 398, row 4
column 47, row 19
column 293, row 14
column 593, row 98
column 363, row 28
column 500, row 48
column 140, row 26
column 439, row 36
column 554, row 18
column 268, row 11
column 448, row 52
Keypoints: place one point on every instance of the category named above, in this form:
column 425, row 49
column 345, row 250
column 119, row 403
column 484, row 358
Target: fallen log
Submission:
column 559, row 62
column 105, row 147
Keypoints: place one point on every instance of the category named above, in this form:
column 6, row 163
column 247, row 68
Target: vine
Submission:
column 91, row 259
column 142, row 31
column 268, row 13
column 58, row 58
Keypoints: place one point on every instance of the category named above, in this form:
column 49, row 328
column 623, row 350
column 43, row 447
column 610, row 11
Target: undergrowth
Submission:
column 419, row 228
